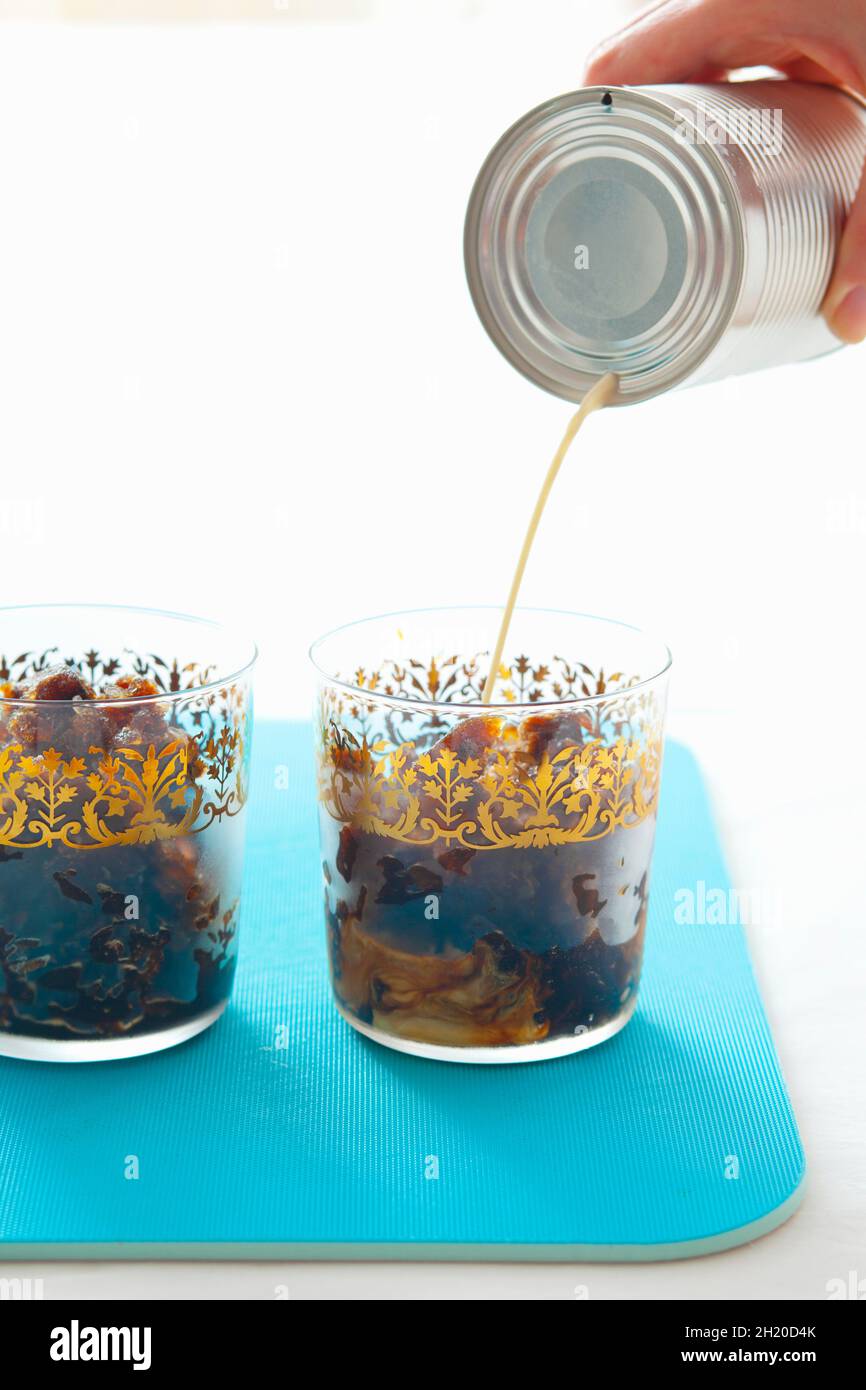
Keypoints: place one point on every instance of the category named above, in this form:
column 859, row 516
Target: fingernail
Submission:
column 848, row 320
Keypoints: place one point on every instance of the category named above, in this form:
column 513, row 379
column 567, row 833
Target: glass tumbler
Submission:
column 486, row 867
column 124, row 759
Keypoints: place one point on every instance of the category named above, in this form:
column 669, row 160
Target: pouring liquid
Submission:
column 599, row 395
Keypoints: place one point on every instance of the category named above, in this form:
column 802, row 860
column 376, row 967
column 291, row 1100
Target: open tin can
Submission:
column 669, row 234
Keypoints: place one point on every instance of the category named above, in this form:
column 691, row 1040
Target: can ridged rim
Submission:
column 702, row 173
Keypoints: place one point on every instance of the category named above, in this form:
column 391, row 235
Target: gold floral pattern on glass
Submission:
column 392, row 772
column 177, row 785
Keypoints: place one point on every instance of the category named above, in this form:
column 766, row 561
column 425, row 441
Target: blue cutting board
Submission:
column 674, row 1138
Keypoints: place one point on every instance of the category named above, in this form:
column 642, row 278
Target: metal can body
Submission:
column 670, row 234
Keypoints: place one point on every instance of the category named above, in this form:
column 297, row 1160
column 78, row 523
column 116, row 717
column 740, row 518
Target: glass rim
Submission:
column 502, row 706
column 163, row 697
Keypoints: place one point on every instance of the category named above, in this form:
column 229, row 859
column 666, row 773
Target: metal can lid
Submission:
column 599, row 239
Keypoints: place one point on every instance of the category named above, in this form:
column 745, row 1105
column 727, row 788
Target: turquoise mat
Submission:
column 323, row 1148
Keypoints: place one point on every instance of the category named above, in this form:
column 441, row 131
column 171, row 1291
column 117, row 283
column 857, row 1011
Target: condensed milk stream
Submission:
column 599, row 395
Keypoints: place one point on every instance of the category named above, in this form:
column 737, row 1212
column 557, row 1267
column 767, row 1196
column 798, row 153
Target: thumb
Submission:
column 845, row 302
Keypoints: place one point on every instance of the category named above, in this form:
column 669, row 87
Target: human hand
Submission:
column 703, row 40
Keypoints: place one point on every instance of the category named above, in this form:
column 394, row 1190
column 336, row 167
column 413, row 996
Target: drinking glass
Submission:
column 486, row 867
column 124, row 775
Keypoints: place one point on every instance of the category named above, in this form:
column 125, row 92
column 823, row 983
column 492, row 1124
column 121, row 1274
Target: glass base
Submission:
column 106, row 1049
column 526, row 1052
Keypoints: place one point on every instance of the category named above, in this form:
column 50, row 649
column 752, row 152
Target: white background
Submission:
column 241, row 376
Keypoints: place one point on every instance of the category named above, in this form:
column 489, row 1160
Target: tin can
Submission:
column 670, row 234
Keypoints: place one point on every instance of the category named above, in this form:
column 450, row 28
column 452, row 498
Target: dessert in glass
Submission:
column 486, row 866
column 124, row 761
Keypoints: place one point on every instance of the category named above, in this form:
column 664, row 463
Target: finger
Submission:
column 670, row 42
column 677, row 39
column 845, row 302
column 709, row 73
column 807, row 70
